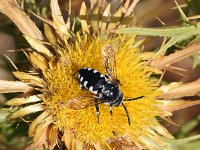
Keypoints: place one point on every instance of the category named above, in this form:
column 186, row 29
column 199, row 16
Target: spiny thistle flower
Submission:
column 56, row 84
column 133, row 75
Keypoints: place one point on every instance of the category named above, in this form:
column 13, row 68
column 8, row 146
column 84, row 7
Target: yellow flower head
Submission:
column 133, row 74
column 64, row 112
column 56, row 85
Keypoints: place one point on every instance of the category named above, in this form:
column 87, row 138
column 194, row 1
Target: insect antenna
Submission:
column 131, row 99
column 127, row 114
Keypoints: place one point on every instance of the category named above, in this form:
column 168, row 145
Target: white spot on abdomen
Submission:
column 95, row 71
column 91, row 88
column 102, row 76
column 95, row 92
column 85, row 84
column 106, row 103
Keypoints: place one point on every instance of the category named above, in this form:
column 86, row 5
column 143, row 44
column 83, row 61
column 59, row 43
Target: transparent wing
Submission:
column 82, row 102
column 110, row 62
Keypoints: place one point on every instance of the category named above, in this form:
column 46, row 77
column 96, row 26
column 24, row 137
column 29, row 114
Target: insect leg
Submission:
column 111, row 111
column 97, row 111
column 127, row 114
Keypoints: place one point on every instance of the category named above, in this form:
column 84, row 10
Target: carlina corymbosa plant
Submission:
column 65, row 114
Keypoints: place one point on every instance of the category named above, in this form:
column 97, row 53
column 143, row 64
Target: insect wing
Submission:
column 110, row 62
column 82, row 102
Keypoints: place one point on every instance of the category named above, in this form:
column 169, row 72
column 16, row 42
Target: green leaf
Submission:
column 186, row 129
column 185, row 143
column 176, row 34
column 162, row 31
column 4, row 114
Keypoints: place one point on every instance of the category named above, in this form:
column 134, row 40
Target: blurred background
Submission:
column 148, row 13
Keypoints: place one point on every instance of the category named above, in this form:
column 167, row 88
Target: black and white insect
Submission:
column 105, row 88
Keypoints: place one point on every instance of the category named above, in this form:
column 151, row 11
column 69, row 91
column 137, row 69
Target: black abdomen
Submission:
column 91, row 79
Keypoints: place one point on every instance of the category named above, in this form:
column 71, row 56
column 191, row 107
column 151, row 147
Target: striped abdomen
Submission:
column 91, row 79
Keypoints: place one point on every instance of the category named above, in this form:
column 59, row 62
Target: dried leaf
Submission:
column 196, row 59
column 93, row 3
column 70, row 142
column 58, row 25
column 115, row 19
column 165, row 62
column 11, row 9
column 171, row 86
column 14, row 86
column 29, row 78
column 50, row 34
column 77, row 144
column 131, row 8
column 52, row 135
column 41, row 127
column 156, row 134
column 56, row 13
column 58, row 20
column 69, row 14
column 38, row 60
column 26, row 110
column 67, row 138
column 187, row 89
column 14, row 66
column 106, row 18
column 95, row 17
column 50, row 22
column 178, row 104
column 40, row 144
column 84, row 24
column 161, row 130
column 194, row 17
column 22, row 101
column 36, row 122
column 39, row 46
column 61, row 28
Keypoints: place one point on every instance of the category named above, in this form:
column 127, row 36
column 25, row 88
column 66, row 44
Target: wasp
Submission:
column 105, row 88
